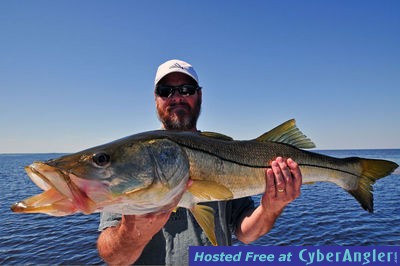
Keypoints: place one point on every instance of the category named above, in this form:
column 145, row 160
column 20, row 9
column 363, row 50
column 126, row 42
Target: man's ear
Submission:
column 199, row 93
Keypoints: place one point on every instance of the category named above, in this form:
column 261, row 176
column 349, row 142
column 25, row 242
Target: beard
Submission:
column 184, row 119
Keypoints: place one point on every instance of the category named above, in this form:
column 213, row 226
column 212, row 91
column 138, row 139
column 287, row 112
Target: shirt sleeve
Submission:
column 239, row 208
column 108, row 219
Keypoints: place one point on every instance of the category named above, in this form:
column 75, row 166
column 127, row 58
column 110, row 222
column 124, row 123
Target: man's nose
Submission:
column 175, row 94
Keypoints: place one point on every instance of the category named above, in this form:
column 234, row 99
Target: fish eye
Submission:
column 101, row 159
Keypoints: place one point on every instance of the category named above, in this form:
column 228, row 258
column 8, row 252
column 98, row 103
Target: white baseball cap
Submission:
column 175, row 65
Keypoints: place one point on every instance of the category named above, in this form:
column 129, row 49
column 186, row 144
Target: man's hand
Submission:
column 283, row 182
column 143, row 227
column 124, row 243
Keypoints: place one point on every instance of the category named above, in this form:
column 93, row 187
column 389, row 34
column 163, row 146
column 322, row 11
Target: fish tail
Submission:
column 371, row 170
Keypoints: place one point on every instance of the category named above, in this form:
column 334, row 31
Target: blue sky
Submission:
column 75, row 74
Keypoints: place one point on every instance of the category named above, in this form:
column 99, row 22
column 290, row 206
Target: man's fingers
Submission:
column 279, row 181
column 270, row 186
column 295, row 171
column 287, row 175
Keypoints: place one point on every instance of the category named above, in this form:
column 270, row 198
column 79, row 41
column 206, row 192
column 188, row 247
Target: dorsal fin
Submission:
column 287, row 133
column 215, row 135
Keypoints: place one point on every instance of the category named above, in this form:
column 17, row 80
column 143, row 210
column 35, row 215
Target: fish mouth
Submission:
column 64, row 193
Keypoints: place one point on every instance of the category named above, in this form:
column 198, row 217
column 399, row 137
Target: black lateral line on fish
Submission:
column 265, row 166
column 248, row 165
column 329, row 168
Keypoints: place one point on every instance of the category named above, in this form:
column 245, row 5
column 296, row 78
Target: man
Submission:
column 164, row 238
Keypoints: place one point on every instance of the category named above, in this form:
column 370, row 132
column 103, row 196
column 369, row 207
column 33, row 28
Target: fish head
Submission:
column 130, row 172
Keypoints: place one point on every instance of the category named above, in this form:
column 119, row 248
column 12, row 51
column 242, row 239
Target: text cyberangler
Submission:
column 303, row 255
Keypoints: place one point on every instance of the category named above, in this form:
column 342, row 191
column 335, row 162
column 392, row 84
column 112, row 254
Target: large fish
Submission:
column 149, row 172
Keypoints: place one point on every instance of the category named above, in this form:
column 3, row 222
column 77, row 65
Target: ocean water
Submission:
column 323, row 215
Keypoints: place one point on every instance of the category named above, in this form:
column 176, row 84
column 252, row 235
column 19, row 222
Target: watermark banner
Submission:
column 294, row 255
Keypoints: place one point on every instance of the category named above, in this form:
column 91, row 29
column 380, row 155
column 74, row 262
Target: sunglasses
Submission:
column 168, row 91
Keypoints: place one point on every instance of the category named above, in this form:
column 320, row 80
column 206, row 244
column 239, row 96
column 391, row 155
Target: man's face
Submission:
column 178, row 112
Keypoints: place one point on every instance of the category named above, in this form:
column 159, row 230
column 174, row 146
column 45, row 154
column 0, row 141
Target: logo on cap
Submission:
column 176, row 65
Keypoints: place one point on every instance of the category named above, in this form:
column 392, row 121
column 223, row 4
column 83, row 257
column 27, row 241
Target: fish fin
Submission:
column 215, row 135
column 372, row 170
column 204, row 216
column 210, row 190
column 309, row 183
column 287, row 133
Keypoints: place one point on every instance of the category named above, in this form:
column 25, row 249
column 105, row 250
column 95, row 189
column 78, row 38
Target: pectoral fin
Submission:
column 209, row 190
column 204, row 216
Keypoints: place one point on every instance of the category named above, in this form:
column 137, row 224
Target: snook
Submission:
column 149, row 172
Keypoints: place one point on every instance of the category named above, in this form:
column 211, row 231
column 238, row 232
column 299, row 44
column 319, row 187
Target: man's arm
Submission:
column 123, row 244
column 283, row 182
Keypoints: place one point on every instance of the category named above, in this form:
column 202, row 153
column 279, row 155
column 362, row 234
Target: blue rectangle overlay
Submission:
column 294, row 255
